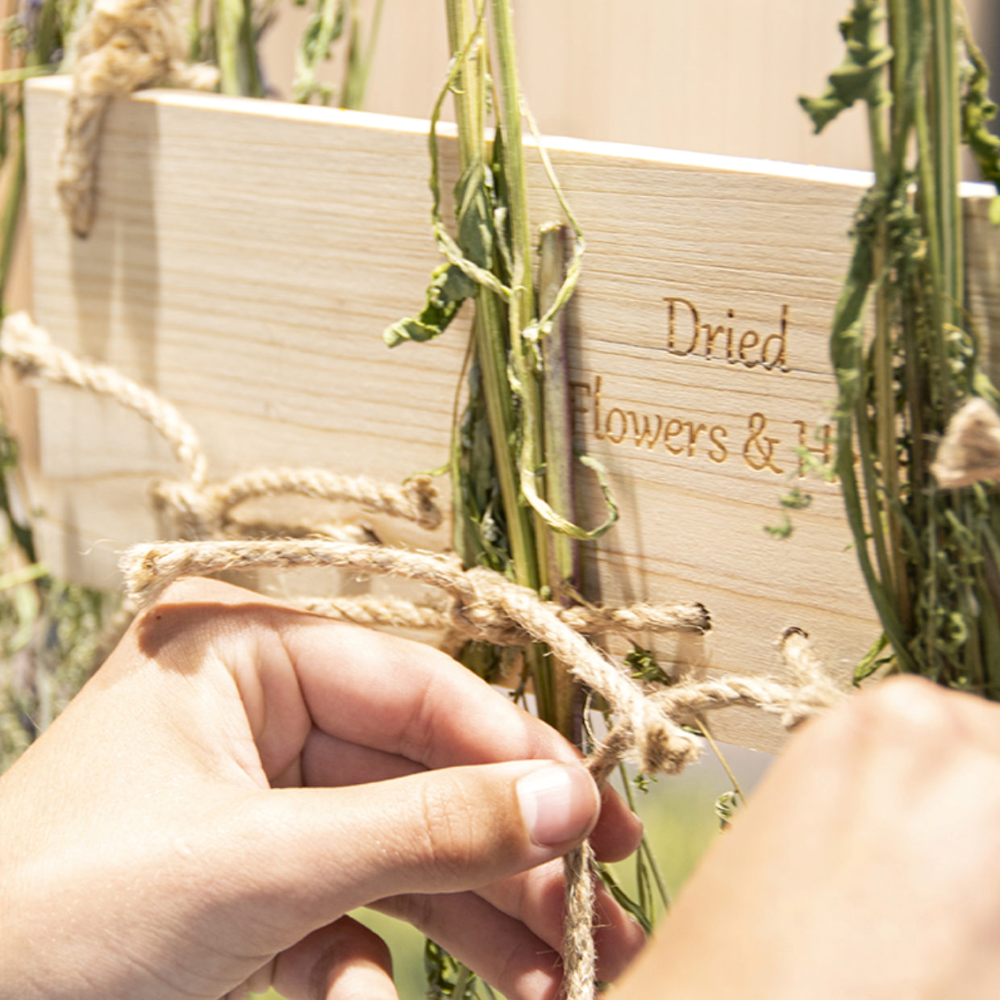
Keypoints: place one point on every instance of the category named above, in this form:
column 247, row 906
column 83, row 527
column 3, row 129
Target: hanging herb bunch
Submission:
column 512, row 462
column 929, row 557
column 511, row 479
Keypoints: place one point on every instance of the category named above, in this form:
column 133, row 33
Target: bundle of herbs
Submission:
column 512, row 463
column 929, row 557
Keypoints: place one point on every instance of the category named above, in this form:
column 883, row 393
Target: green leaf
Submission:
column 871, row 661
column 977, row 111
column 725, row 807
column 796, row 499
column 447, row 978
column 475, row 216
column 995, row 210
column 448, row 289
column 622, row 898
column 450, row 286
column 857, row 77
column 644, row 667
column 325, row 26
column 783, row 530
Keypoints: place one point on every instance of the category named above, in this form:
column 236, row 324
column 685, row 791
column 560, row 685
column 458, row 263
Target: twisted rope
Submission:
column 480, row 623
column 206, row 511
column 31, row 352
column 122, row 46
column 649, row 727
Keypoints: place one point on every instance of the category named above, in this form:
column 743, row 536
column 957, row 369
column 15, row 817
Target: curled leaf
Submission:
column 563, row 525
column 448, row 289
column 858, row 77
column 977, row 111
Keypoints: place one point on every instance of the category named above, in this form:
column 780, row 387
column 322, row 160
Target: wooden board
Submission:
column 713, row 76
column 247, row 255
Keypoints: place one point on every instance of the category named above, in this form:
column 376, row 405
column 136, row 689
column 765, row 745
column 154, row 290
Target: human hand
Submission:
column 867, row 865
column 239, row 775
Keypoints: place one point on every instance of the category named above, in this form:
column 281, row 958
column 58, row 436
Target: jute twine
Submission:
column 649, row 727
column 122, row 46
column 970, row 449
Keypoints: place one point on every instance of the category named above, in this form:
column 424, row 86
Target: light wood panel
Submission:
column 247, row 255
column 718, row 76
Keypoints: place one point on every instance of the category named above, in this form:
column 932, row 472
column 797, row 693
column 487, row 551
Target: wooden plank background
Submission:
column 717, row 76
column 247, row 255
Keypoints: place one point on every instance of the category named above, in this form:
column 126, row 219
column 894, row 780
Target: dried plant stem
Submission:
column 488, row 325
column 558, row 435
column 358, row 72
column 236, row 49
column 11, row 214
column 491, row 338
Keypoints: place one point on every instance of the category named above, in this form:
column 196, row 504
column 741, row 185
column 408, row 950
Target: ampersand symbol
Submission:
column 758, row 452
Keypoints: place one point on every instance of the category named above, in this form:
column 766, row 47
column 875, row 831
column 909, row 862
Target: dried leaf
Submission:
column 853, row 80
column 448, row 289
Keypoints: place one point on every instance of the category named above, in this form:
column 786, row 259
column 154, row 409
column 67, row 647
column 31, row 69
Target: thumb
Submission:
column 322, row 852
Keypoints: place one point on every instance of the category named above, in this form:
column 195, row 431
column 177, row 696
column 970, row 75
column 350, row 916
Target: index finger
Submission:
column 415, row 702
column 406, row 700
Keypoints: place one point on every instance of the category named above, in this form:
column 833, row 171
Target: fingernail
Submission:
column 559, row 804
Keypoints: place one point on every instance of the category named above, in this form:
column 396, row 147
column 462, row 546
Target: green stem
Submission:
column 517, row 183
column 945, row 123
column 554, row 696
column 521, row 308
column 26, row 574
column 9, row 76
column 557, row 422
column 645, row 855
column 11, row 216
column 248, row 44
column 488, row 326
column 884, row 521
column 359, row 81
column 467, row 89
column 855, row 518
column 558, row 444
column 228, row 15
column 194, row 33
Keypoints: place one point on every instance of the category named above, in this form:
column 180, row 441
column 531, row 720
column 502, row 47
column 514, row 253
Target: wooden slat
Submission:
column 247, row 255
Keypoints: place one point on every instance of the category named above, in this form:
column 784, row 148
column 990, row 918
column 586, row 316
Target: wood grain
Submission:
column 247, row 256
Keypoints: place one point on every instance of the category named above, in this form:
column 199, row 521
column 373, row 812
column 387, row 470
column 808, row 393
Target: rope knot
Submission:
column 423, row 494
column 23, row 344
column 127, row 44
column 662, row 746
column 121, row 47
column 476, row 611
column 188, row 513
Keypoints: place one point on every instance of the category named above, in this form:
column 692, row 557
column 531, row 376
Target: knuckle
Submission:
column 414, row 908
column 907, row 708
column 512, row 966
column 899, row 711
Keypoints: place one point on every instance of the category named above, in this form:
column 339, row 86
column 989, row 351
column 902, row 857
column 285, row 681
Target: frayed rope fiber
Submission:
column 970, row 449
